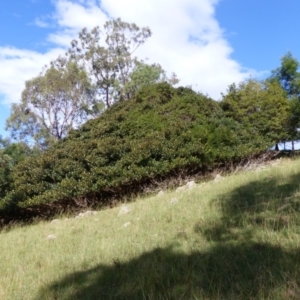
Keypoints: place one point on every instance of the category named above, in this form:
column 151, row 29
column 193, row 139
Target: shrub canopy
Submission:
column 161, row 131
column 261, row 106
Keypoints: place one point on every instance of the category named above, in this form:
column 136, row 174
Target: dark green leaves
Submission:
column 159, row 132
column 262, row 107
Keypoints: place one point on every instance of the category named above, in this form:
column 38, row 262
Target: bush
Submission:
column 10, row 155
column 159, row 132
column 263, row 107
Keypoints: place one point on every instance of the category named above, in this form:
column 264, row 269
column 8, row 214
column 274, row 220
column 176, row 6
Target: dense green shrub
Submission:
column 159, row 132
column 262, row 107
column 10, row 155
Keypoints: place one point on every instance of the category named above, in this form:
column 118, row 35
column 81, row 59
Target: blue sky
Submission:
column 209, row 44
column 18, row 26
column 260, row 31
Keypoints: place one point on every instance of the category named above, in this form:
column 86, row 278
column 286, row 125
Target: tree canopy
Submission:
column 261, row 106
column 59, row 99
column 98, row 70
column 10, row 155
column 288, row 75
column 108, row 55
column 157, row 133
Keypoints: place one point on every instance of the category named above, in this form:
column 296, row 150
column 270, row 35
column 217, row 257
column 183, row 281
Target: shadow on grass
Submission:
column 271, row 204
column 234, row 267
column 245, row 271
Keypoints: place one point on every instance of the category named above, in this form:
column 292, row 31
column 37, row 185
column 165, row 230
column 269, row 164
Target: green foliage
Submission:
column 288, row 75
column 294, row 120
column 159, row 132
column 144, row 75
column 99, row 69
column 262, row 107
column 54, row 102
column 10, row 155
column 108, row 55
column 5, row 168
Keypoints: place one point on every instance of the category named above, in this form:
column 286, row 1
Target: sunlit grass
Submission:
column 235, row 239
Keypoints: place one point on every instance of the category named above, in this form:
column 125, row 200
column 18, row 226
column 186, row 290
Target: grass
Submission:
column 235, row 239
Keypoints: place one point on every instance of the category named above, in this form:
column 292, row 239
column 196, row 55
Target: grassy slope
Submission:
column 235, row 239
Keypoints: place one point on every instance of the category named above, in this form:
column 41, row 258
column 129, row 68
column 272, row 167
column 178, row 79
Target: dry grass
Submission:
column 235, row 239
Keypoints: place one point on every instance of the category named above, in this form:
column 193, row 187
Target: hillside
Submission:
column 236, row 237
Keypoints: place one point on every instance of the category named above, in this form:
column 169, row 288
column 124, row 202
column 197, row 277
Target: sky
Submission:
column 209, row 44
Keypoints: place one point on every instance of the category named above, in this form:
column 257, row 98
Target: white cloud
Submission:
column 187, row 39
column 76, row 15
column 19, row 65
column 40, row 22
column 72, row 16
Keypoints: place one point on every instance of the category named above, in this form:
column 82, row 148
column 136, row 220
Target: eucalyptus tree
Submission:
column 146, row 74
column 59, row 99
column 98, row 70
column 108, row 56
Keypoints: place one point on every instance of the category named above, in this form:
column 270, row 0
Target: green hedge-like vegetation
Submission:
column 161, row 131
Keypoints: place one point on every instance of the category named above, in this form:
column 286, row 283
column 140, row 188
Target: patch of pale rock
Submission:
column 189, row 185
column 161, row 193
column 124, row 210
column 173, row 200
column 54, row 221
column 218, row 178
column 51, row 237
column 88, row 213
column 180, row 189
column 127, row 224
